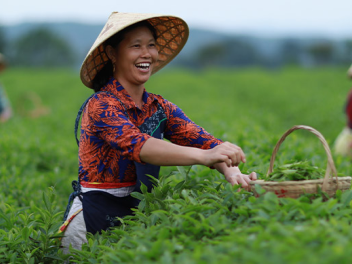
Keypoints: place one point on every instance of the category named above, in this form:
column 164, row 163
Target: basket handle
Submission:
column 330, row 170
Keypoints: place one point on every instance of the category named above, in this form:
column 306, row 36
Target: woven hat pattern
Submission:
column 172, row 34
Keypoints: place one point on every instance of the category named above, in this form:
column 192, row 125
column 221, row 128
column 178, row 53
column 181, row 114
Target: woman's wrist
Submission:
column 225, row 170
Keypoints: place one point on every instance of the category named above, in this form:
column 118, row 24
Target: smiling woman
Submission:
column 123, row 126
column 133, row 59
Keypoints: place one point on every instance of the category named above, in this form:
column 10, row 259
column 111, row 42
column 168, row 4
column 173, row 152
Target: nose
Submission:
column 145, row 52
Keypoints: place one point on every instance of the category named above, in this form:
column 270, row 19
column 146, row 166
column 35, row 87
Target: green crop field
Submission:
column 193, row 216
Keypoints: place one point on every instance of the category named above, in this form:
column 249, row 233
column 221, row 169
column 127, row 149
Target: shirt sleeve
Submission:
column 183, row 131
column 109, row 122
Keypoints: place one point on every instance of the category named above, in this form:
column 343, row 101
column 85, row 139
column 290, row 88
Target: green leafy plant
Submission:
column 31, row 237
column 297, row 171
column 193, row 215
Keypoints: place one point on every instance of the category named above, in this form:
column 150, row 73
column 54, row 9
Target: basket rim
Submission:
column 330, row 172
column 303, row 182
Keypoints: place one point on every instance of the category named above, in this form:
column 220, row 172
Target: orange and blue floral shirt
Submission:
column 110, row 140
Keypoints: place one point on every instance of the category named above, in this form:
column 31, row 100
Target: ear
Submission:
column 110, row 51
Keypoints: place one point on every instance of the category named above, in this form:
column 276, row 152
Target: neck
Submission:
column 136, row 93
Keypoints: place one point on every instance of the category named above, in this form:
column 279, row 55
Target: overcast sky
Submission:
column 270, row 17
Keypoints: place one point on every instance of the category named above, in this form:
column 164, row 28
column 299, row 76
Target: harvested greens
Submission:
column 297, row 171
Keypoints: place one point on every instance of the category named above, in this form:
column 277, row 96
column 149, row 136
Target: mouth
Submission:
column 143, row 66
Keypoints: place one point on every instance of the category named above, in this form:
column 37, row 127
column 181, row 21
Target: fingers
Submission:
column 247, row 179
column 231, row 154
column 232, row 181
column 237, row 179
column 242, row 179
column 228, row 161
column 253, row 176
column 234, row 154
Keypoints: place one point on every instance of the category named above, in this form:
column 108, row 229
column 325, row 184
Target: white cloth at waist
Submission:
column 118, row 192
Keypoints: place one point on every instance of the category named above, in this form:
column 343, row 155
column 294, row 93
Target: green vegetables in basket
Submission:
column 297, row 171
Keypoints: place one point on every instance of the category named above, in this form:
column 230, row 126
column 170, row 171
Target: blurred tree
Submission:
column 42, row 48
column 211, row 55
column 2, row 40
column 322, row 53
column 230, row 53
column 241, row 53
column 348, row 51
column 291, row 52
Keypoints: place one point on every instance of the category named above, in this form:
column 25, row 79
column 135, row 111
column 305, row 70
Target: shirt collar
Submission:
column 117, row 89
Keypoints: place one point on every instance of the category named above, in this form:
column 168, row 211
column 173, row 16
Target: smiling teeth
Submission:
column 143, row 65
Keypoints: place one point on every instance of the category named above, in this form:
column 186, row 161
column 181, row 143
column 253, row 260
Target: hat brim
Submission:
column 172, row 33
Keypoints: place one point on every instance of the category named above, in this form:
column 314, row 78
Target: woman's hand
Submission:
column 227, row 152
column 243, row 179
column 234, row 176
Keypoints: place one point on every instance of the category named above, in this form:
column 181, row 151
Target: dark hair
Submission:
column 106, row 72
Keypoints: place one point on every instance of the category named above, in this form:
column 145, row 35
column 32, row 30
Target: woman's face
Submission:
column 135, row 56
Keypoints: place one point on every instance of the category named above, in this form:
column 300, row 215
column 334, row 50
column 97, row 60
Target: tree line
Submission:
column 37, row 48
column 41, row 47
column 237, row 52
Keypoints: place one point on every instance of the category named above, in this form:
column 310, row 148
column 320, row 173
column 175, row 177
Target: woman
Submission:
column 123, row 125
column 343, row 142
column 5, row 107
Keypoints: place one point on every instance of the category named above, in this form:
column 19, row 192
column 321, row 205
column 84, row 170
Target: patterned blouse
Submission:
column 110, row 141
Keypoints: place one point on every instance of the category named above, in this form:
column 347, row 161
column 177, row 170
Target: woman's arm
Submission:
column 163, row 153
column 225, row 158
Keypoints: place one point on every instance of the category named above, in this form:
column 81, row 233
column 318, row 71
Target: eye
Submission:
column 136, row 45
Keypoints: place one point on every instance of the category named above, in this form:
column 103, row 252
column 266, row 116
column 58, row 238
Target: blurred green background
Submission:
column 250, row 107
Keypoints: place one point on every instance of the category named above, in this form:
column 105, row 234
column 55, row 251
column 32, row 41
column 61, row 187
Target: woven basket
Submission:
column 293, row 189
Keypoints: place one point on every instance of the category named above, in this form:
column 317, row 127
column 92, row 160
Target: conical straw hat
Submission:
column 172, row 34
